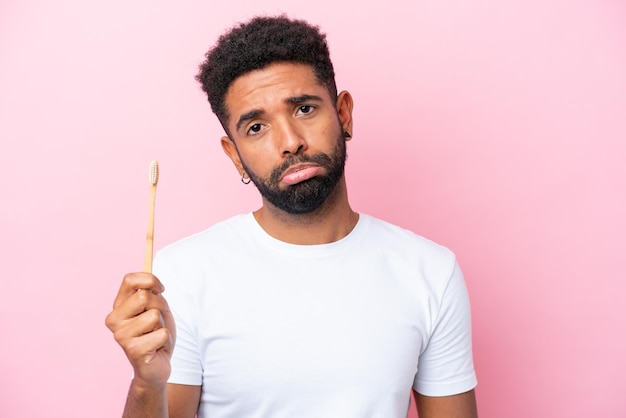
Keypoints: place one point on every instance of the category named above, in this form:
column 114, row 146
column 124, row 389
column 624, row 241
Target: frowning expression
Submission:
column 287, row 135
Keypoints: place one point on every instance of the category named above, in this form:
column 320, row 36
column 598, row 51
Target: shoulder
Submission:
column 224, row 234
column 182, row 265
column 392, row 238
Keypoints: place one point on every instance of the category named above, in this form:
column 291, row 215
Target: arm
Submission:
column 446, row 366
column 174, row 401
column 456, row 406
column 183, row 400
column 143, row 326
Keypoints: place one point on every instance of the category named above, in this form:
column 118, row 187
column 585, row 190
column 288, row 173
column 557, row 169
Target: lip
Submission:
column 297, row 167
column 301, row 172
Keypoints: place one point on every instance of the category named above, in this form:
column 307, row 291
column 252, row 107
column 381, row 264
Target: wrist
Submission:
column 143, row 386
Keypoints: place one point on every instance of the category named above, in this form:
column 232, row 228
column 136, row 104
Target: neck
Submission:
column 329, row 223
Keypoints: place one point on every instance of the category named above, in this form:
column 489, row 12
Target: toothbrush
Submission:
column 153, row 179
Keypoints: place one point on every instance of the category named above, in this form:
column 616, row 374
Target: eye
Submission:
column 305, row 109
column 255, row 129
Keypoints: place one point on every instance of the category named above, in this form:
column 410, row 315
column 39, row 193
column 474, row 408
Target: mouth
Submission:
column 299, row 173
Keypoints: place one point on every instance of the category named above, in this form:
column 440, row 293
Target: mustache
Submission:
column 319, row 159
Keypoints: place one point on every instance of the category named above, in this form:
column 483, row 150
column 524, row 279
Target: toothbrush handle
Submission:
column 147, row 265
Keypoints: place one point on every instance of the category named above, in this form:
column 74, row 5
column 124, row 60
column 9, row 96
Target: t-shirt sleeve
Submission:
column 446, row 365
column 186, row 364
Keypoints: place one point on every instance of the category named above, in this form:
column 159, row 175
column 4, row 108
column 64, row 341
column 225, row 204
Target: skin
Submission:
column 282, row 128
column 275, row 113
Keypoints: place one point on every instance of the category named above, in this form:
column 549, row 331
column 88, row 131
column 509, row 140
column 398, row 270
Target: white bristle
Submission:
column 154, row 172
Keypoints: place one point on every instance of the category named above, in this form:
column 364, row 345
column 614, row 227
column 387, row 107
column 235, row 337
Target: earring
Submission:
column 243, row 179
column 347, row 135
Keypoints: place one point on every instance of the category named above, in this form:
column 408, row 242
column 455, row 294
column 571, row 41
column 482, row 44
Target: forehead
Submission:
column 271, row 85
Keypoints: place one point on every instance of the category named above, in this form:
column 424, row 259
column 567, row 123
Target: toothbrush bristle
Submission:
column 154, row 172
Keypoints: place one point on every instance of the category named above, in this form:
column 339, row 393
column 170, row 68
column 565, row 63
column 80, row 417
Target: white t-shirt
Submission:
column 345, row 329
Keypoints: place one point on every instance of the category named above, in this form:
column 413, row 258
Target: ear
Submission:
column 344, row 111
column 230, row 149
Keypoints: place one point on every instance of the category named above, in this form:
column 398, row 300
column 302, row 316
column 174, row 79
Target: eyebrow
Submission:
column 247, row 116
column 290, row 100
column 302, row 99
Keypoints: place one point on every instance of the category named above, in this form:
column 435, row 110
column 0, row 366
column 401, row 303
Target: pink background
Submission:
column 495, row 128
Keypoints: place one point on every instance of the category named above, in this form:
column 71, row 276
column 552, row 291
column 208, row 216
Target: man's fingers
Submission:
column 141, row 324
column 145, row 347
column 142, row 300
column 136, row 305
column 135, row 281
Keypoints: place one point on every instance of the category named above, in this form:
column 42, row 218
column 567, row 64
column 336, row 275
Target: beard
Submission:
column 308, row 195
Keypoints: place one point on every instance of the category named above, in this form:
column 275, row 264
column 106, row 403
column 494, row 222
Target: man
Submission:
column 303, row 308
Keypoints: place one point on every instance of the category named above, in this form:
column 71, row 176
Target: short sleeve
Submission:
column 186, row 364
column 446, row 365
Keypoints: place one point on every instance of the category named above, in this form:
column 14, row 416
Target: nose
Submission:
column 291, row 140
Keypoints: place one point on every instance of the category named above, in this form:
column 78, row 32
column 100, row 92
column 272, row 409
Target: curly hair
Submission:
column 256, row 44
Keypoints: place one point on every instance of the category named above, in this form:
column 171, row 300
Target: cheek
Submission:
column 324, row 135
column 257, row 159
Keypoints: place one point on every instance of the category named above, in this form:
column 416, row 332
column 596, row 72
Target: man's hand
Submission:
column 143, row 326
